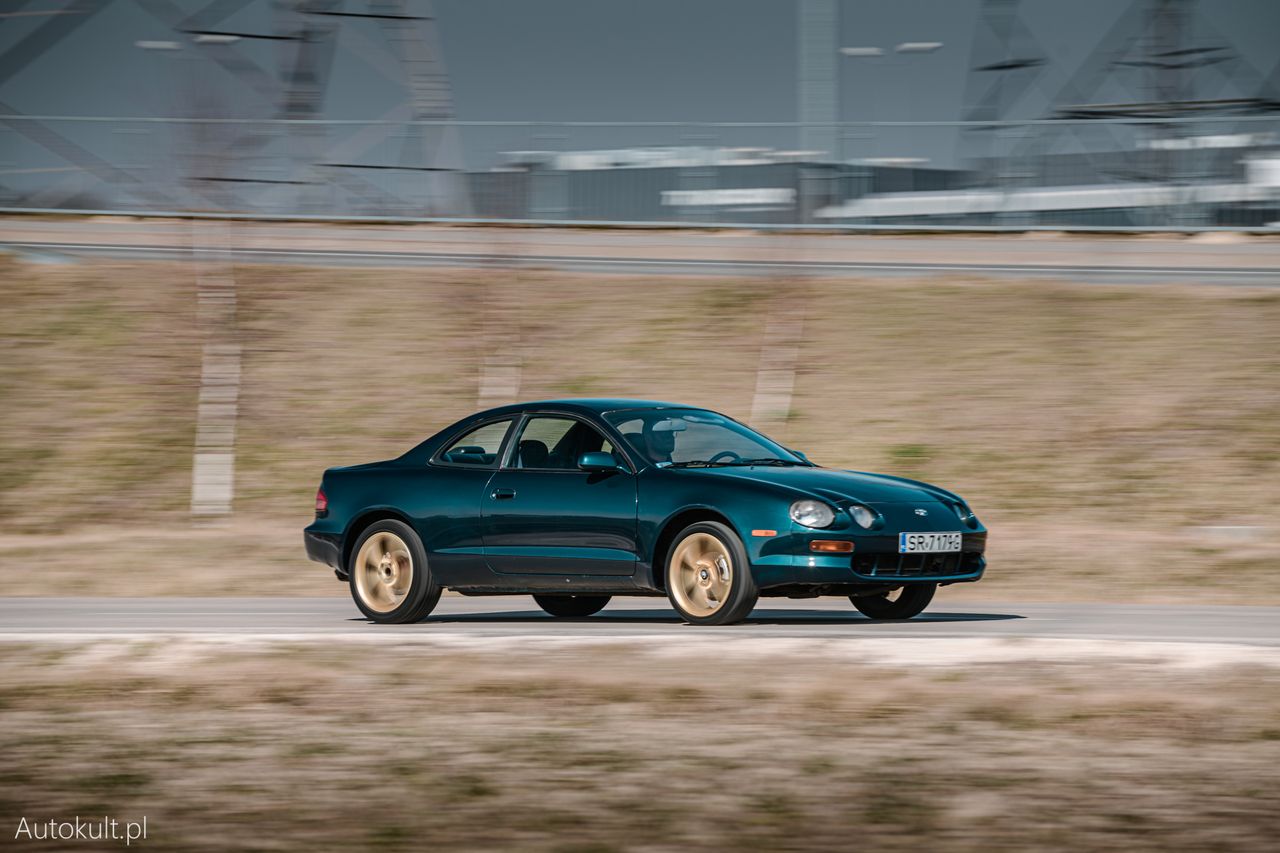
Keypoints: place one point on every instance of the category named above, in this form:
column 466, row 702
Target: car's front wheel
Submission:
column 572, row 606
column 901, row 603
column 388, row 574
column 708, row 579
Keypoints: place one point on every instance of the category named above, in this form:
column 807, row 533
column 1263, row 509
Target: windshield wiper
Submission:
column 707, row 463
column 765, row 461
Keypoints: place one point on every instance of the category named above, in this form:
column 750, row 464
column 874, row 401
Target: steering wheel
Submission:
column 736, row 457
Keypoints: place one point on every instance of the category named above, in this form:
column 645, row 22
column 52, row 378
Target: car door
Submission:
column 544, row 515
column 447, row 502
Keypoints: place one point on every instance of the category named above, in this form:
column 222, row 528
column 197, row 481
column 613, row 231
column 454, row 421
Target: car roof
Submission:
column 589, row 405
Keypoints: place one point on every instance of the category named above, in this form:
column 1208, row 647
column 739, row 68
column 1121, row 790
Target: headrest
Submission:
column 533, row 454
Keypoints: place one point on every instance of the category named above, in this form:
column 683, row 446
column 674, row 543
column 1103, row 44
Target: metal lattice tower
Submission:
column 1160, row 59
column 416, row 43
column 214, row 57
column 1005, row 61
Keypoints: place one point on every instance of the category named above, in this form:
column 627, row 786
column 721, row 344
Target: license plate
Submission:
column 928, row 543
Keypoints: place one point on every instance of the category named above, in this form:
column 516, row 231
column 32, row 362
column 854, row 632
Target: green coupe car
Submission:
column 576, row 501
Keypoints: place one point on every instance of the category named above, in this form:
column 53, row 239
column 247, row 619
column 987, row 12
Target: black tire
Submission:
column 742, row 593
column 572, row 606
column 423, row 592
column 911, row 601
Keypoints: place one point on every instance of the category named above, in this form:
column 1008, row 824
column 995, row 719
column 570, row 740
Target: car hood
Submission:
column 836, row 485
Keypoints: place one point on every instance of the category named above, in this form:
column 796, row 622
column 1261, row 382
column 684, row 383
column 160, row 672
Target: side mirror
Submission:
column 597, row 460
column 800, row 454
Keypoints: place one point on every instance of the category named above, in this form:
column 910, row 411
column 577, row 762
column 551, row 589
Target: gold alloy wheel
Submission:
column 700, row 574
column 383, row 571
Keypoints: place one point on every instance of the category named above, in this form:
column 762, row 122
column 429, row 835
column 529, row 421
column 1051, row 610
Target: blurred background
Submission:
column 1144, row 113
column 1026, row 250
column 199, row 360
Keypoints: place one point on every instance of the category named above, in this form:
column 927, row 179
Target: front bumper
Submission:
column 874, row 561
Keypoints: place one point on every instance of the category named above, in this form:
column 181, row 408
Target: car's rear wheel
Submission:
column 708, row 579
column 572, row 606
column 901, row 603
column 388, row 574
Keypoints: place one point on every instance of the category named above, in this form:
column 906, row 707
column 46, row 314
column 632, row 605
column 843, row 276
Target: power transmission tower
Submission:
column 247, row 161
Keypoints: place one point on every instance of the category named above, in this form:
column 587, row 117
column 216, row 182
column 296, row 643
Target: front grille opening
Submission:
column 917, row 565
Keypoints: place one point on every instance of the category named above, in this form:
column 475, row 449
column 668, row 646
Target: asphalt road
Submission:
column 518, row 616
column 1255, row 261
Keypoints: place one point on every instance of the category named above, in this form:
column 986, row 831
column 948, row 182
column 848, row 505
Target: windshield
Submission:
column 696, row 438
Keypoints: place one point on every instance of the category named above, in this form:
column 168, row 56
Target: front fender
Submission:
column 759, row 514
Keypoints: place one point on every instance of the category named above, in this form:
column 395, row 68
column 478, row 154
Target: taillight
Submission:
column 322, row 503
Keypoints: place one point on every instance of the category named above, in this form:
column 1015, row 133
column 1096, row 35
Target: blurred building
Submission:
column 1199, row 179
column 1220, row 180
column 688, row 184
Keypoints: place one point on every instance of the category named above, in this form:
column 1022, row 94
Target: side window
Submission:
column 632, row 430
column 479, row 447
column 552, row 443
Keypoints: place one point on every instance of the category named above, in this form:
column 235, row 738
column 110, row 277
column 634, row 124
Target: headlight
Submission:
column 862, row 516
column 966, row 514
column 812, row 514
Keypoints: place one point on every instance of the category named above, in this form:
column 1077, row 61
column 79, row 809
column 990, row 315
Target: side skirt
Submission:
column 567, row 584
column 632, row 592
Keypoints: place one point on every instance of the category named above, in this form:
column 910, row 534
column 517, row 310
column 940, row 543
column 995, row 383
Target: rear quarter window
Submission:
column 479, row 447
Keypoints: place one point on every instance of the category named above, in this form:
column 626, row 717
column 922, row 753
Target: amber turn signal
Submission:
column 831, row 546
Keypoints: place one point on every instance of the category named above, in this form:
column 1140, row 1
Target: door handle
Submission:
column 502, row 494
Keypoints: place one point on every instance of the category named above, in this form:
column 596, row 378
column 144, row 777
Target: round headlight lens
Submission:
column 862, row 516
column 812, row 514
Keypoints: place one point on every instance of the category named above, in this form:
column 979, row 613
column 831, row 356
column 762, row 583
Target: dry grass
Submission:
column 1089, row 425
column 392, row 747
